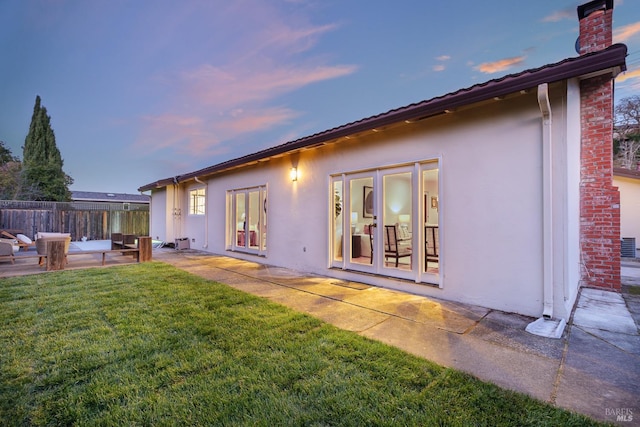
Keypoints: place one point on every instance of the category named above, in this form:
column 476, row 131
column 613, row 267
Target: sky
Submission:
column 141, row 90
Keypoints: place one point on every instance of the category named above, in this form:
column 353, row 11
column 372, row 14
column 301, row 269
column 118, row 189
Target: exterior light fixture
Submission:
column 293, row 174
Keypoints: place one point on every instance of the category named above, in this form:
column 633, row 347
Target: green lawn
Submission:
column 148, row 344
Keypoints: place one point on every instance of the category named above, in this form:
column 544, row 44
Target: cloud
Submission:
column 236, row 91
column 253, row 121
column 559, row 15
column 188, row 134
column 440, row 67
column 629, row 75
column 199, row 136
column 623, row 34
column 238, row 84
column 500, row 65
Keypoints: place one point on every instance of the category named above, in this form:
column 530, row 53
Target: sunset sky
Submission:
column 140, row 90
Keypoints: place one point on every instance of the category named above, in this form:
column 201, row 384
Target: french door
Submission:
column 383, row 221
column 248, row 220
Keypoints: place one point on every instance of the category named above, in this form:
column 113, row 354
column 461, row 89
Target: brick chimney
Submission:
column 599, row 199
column 596, row 19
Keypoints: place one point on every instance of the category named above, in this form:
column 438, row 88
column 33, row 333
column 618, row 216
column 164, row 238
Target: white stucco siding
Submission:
column 629, row 207
column 491, row 205
column 194, row 225
column 158, row 213
column 490, row 201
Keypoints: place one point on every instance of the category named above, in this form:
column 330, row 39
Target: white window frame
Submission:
column 197, row 201
column 260, row 247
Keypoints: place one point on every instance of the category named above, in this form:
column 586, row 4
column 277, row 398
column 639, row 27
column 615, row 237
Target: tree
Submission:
column 627, row 133
column 43, row 177
column 6, row 155
column 10, row 168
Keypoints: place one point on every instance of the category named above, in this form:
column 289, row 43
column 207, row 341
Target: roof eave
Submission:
column 626, row 173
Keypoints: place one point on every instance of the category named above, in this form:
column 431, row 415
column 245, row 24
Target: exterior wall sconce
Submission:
column 293, row 174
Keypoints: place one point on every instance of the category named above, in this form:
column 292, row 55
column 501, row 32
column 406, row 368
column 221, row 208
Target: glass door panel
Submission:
column 397, row 230
column 240, row 220
column 361, row 222
column 431, row 216
column 253, row 226
column 263, row 229
column 337, row 206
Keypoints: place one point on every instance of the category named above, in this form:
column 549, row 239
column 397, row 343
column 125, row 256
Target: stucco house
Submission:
column 498, row 195
column 628, row 183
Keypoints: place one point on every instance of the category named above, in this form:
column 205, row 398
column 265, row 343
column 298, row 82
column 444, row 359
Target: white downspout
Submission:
column 177, row 219
column 206, row 212
column 547, row 201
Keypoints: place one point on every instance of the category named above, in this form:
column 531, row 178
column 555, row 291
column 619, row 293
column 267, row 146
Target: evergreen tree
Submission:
column 43, row 177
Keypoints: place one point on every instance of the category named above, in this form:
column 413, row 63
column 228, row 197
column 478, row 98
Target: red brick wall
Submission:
column 595, row 31
column 599, row 199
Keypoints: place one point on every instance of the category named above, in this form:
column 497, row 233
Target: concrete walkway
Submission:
column 593, row 369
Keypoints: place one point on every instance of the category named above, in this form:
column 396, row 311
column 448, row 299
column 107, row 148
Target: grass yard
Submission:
column 148, row 344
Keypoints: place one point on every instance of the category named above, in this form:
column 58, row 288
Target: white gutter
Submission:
column 547, row 201
column 206, row 212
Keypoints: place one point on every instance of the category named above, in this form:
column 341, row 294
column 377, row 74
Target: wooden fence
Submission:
column 93, row 220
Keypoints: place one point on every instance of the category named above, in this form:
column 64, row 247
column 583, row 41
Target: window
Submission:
column 197, row 199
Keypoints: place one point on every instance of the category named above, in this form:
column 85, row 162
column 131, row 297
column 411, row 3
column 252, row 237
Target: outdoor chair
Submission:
column 116, row 241
column 41, row 246
column 394, row 247
column 23, row 241
column 6, row 252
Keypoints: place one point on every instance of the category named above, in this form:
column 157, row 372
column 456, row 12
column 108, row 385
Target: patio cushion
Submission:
column 24, row 239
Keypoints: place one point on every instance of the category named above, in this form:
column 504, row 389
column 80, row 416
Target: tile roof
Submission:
column 611, row 58
column 627, row 173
